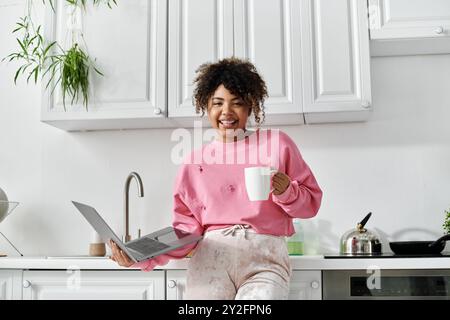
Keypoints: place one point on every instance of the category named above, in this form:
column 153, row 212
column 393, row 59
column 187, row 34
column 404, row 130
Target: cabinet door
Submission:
column 306, row 285
column 336, row 60
column 129, row 45
column 199, row 31
column 394, row 19
column 409, row 27
column 175, row 284
column 93, row 285
column 267, row 32
column 10, row 284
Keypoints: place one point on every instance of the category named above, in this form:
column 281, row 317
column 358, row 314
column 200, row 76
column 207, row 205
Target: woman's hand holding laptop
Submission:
column 120, row 257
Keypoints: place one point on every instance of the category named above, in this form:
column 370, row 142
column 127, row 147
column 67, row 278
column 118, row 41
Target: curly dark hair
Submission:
column 239, row 76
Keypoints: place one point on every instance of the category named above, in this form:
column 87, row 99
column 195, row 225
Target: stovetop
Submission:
column 385, row 255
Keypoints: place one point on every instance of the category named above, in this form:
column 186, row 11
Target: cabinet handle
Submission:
column 439, row 30
column 26, row 284
column 157, row 111
column 172, row 284
column 315, row 284
column 365, row 104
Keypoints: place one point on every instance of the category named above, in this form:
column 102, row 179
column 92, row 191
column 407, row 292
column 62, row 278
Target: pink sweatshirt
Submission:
column 209, row 191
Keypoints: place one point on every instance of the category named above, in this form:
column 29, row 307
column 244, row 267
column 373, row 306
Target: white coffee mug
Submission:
column 257, row 182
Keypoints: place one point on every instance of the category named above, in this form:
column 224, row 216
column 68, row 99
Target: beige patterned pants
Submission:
column 237, row 263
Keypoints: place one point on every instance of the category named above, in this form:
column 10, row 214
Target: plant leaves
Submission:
column 96, row 70
column 70, row 69
column 17, row 74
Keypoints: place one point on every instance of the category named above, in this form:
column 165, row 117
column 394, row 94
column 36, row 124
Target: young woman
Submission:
column 243, row 253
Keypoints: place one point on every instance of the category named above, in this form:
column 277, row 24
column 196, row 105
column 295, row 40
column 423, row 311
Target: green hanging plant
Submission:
column 96, row 2
column 68, row 68
column 75, row 74
column 72, row 69
column 33, row 52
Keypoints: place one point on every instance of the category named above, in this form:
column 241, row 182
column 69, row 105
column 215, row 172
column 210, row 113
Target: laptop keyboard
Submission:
column 147, row 246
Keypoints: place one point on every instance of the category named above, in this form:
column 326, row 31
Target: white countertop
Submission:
column 298, row 263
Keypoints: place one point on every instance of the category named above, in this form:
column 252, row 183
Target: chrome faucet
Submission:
column 126, row 234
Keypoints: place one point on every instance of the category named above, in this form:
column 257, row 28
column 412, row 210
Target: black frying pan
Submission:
column 419, row 247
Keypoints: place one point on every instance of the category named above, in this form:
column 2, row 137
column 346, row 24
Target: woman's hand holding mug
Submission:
column 258, row 181
column 280, row 183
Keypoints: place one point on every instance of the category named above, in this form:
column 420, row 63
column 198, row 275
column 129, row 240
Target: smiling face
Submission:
column 227, row 113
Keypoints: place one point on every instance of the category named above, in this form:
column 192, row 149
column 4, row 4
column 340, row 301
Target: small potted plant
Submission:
column 446, row 224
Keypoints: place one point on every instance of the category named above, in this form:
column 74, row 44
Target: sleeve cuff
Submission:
column 150, row 264
column 146, row 265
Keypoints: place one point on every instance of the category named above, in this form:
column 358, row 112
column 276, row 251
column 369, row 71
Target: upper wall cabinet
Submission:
column 129, row 45
column 336, row 61
column 265, row 31
column 313, row 55
column 199, row 31
column 399, row 27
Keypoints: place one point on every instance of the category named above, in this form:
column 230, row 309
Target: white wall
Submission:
column 397, row 165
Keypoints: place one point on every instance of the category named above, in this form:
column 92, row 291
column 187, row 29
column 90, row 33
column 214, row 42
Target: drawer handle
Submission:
column 26, row 284
column 439, row 30
column 315, row 284
column 172, row 284
column 365, row 104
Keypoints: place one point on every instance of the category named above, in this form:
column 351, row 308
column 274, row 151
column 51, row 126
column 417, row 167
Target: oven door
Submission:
column 386, row 284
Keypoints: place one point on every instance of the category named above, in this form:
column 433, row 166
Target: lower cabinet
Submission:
column 305, row 285
column 10, row 288
column 175, row 284
column 93, row 285
column 123, row 285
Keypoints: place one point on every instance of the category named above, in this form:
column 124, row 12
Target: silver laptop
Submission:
column 149, row 246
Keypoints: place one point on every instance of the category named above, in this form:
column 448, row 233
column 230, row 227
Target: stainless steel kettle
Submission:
column 361, row 241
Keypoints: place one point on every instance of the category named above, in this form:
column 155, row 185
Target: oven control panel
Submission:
column 386, row 284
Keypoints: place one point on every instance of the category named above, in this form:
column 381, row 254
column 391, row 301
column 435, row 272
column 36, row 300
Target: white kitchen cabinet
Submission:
column 401, row 27
column 306, row 285
column 93, row 285
column 175, row 284
column 314, row 56
column 129, row 45
column 265, row 31
column 199, row 31
column 336, row 61
column 10, row 284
